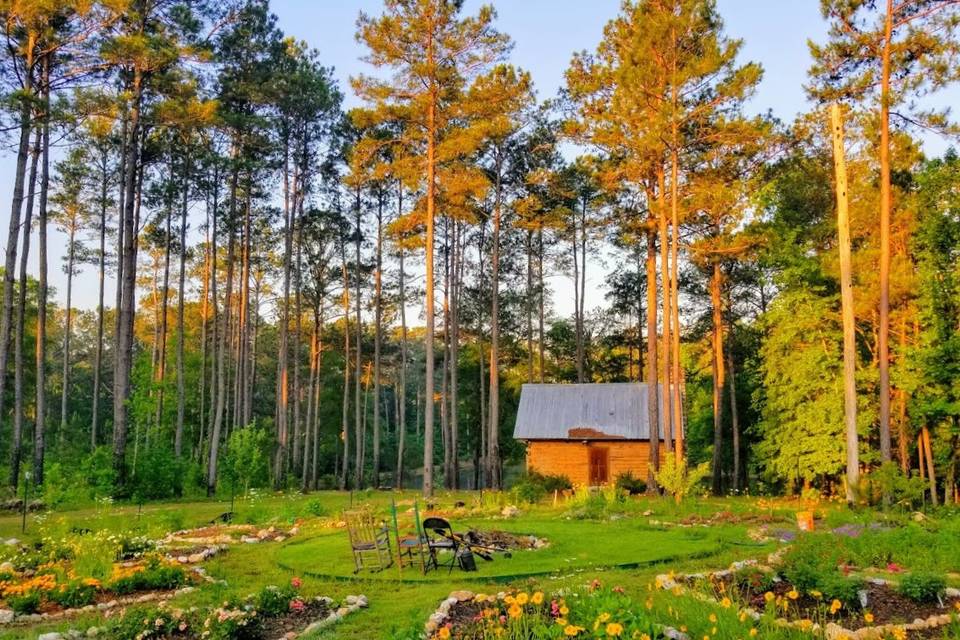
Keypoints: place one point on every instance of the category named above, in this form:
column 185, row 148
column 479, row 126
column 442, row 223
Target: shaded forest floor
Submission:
column 624, row 543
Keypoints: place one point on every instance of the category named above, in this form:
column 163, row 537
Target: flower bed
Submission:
column 835, row 602
column 55, row 587
column 533, row 615
column 274, row 612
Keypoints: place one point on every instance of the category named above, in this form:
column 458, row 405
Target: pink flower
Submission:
column 595, row 585
column 297, row 605
column 617, row 589
column 893, row 567
column 295, row 582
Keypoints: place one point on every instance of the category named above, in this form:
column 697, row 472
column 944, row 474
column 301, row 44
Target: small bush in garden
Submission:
column 75, row 594
column 838, row 587
column 25, row 603
column 316, row 508
column 678, row 480
column 155, row 576
column 630, row 484
column 922, row 587
column 275, row 601
column 529, row 490
column 753, row 580
column 138, row 623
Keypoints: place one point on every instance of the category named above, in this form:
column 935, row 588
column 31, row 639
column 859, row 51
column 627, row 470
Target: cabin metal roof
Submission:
column 604, row 411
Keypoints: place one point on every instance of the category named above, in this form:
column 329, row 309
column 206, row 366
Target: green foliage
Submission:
column 903, row 490
column 155, row 576
column 73, row 594
column 678, row 480
column 810, row 565
column 273, row 600
column 923, row 587
column 246, row 462
column 631, row 485
column 753, row 579
column 25, row 603
column 532, row 487
column 159, row 475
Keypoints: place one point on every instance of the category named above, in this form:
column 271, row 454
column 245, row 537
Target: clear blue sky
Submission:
column 546, row 33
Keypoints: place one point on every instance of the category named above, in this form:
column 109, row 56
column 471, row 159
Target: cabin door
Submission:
column 599, row 465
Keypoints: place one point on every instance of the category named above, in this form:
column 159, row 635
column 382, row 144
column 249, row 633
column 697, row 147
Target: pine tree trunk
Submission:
column 928, row 455
column 181, row 285
column 128, row 258
column 16, row 209
column 283, row 374
column 675, row 390
column 734, row 421
column 428, row 307
column 846, row 303
column 528, row 303
column 493, row 438
column 345, row 417
column 223, row 339
column 718, row 378
column 164, row 310
column 885, row 205
column 39, row 429
column 101, row 277
column 455, row 355
column 653, row 384
column 359, row 440
column 16, row 446
column 540, row 302
column 402, row 391
column 667, row 316
column 65, row 390
column 297, row 340
column 378, row 337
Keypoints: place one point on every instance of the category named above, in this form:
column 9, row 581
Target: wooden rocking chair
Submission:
column 412, row 542
column 369, row 541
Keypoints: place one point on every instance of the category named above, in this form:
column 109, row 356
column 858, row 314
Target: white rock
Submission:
column 53, row 635
column 351, row 600
column 363, row 602
column 93, row 632
column 11, row 542
column 6, row 616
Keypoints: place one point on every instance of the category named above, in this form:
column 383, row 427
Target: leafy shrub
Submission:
column 275, row 601
column 904, row 491
column 24, row 603
column 813, row 562
column 922, row 587
column 532, row 487
column 316, row 508
column 753, row 580
column 631, row 485
column 74, row 594
column 155, row 576
column 678, row 480
column 840, row 587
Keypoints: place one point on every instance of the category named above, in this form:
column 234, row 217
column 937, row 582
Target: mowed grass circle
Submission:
column 574, row 545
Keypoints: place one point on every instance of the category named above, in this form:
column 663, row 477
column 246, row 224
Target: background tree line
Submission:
column 314, row 298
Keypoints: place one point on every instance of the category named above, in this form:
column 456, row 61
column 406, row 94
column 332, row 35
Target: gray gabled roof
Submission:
column 584, row 412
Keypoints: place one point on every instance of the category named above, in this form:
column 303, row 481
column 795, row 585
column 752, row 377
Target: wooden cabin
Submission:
column 590, row 433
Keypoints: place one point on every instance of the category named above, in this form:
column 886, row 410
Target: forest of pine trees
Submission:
column 292, row 294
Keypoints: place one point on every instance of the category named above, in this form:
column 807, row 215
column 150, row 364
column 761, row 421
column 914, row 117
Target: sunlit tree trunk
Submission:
column 40, row 427
column 493, row 416
column 101, row 277
column 846, row 305
column 653, row 377
column 885, row 205
column 718, row 377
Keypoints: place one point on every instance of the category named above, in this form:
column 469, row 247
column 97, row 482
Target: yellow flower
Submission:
column 444, row 633
column 509, row 599
column 806, row 623
column 725, row 603
column 614, row 629
column 562, row 622
column 816, row 594
column 515, row 610
column 753, row 632
column 868, row 617
column 537, row 597
column 604, row 617
column 564, row 610
column 713, row 617
column 792, row 594
column 649, row 603
column 571, row 630
column 835, row 606
column 743, row 616
column 522, row 598
column 899, row 633
column 768, row 596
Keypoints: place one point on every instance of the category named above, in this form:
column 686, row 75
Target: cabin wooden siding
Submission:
column 572, row 458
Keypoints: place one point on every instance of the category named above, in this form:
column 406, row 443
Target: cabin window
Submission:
column 599, row 465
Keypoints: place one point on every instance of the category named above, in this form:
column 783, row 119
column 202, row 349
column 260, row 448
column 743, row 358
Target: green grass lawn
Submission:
column 640, row 538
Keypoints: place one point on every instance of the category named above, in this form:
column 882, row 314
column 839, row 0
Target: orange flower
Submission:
column 614, row 629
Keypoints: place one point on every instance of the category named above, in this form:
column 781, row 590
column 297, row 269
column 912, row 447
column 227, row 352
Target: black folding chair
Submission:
column 440, row 537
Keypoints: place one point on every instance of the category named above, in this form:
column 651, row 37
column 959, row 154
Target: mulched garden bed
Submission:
column 294, row 620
